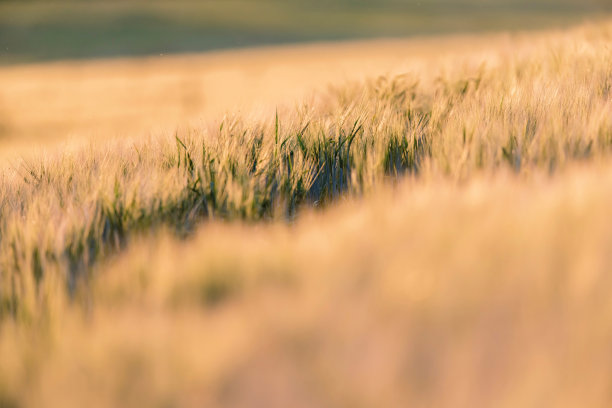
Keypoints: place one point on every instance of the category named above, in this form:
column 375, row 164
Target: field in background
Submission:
column 51, row 30
column 435, row 236
column 48, row 104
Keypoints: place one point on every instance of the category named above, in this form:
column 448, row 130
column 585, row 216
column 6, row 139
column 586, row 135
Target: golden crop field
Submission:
column 419, row 222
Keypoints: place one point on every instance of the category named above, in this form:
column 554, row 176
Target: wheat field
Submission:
column 431, row 229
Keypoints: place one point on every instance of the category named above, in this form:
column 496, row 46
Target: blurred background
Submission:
column 53, row 30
